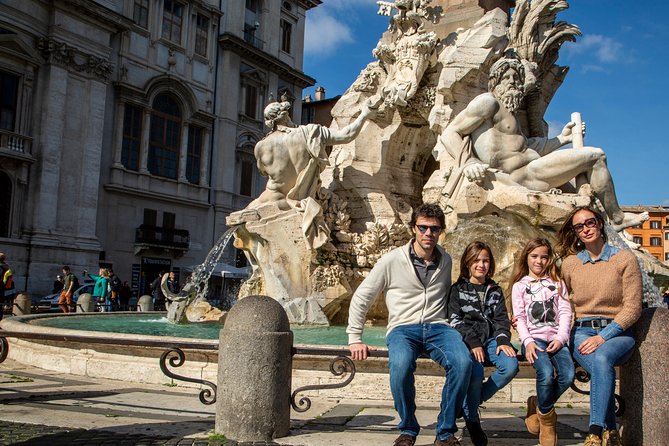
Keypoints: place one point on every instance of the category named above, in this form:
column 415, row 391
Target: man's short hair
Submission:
column 2, row 257
column 501, row 66
column 428, row 210
column 66, row 268
column 273, row 111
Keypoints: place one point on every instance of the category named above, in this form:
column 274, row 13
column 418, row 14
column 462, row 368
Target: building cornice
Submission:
column 230, row 42
column 97, row 12
column 55, row 51
column 308, row 4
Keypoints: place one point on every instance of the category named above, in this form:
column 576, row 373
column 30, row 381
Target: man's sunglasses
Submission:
column 589, row 223
column 423, row 229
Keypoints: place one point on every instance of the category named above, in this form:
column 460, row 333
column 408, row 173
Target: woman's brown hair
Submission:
column 568, row 241
column 521, row 270
column 472, row 251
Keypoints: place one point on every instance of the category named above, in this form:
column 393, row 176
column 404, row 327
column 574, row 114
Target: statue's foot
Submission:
column 630, row 219
column 585, row 190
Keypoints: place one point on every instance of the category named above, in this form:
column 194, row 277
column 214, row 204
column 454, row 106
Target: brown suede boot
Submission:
column 547, row 428
column 532, row 419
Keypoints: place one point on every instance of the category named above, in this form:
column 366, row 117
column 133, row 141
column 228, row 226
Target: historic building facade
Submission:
column 127, row 127
column 653, row 234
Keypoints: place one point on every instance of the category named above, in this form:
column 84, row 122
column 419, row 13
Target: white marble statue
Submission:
column 486, row 135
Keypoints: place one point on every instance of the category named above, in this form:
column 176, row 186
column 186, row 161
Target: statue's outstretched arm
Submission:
column 351, row 131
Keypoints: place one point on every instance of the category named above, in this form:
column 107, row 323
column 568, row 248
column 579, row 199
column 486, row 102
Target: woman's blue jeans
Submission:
column 601, row 367
column 506, row 367
column 555, row 373
column 444, row 345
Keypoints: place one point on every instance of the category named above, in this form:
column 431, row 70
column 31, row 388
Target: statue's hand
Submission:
column 371, row 107
column 475, row 172
column 567, row 133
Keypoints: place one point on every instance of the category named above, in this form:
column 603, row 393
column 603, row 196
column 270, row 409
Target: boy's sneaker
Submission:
column 450, row 441
column 405, row 440
column 476, row 434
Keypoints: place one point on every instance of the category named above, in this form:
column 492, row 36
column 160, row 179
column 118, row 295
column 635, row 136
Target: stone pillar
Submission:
column 254, row 371
column 85, row 303
column 118, row 135
column 145, row 303
column 22, row 304
column 204, row 159
column 644, row 381
column 183, row 153
column 144, row 147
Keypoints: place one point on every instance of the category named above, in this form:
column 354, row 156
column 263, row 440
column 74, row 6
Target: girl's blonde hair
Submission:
column 472, row 251
column 104, row 272
column 521, row 270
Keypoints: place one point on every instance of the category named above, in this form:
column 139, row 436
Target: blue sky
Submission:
column 618, row 79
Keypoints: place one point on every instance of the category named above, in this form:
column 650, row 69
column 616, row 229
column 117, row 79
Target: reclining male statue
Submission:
column 487, row 134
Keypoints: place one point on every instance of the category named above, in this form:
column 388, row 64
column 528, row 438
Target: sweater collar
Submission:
column 607, row 252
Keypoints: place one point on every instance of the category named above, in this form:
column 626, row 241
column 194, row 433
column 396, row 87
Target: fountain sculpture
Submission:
column 416, row 126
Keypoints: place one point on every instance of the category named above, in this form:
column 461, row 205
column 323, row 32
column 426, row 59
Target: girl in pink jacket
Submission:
column 541, row 305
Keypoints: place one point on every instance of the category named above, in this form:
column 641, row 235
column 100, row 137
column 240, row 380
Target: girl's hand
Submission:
column 554, row 346
column 590, row 345
column 477, row 353
column 507, row 349
column 531, row 352
column 514, row 322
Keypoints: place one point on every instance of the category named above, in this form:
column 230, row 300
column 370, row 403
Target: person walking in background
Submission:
column 57, row 285
column 543, row 312
column 6, row 284
column 415, row 279
column 101, row 290
column 115, row 287
column 606, row 291
column 157, row 293
column 70, row 285
column 124, row 295
column 477, row 309
column 172, row 283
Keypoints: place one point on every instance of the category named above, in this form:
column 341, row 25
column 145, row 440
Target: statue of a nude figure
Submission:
column 535, row 163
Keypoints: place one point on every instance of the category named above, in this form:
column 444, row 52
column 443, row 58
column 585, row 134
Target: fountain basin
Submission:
column 135, row 358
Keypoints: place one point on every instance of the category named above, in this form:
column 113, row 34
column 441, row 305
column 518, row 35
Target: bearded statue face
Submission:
column 509, row 90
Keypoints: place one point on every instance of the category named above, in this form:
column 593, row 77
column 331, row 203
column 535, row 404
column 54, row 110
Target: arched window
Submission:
column 165, row 137
column 5, row 203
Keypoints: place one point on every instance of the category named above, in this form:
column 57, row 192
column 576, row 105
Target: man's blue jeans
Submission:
column 444, row 345
column 555, row 373
column 506, row 367
column 601, row 367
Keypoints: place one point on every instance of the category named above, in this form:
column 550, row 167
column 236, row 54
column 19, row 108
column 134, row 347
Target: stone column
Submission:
column 254, row 371
column 144, row 147
column 204, row 158
column 118, row 135
column 644, row 381
column 183, row 153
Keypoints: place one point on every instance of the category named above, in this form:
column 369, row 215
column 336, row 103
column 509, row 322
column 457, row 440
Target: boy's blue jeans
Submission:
column 506, row 367
column 444, row 345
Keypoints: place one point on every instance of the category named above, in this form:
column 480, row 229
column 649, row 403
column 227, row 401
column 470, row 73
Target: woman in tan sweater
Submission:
column 605, row 286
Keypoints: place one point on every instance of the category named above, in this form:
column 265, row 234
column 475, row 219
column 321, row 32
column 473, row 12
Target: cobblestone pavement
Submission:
column 40, row 407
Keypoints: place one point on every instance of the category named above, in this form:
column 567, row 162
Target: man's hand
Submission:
column 477, row 353
column 531, row 352
column 507, row 349
column 590, row 345
column 475, row 172
column 554, row 346
column 359, row 351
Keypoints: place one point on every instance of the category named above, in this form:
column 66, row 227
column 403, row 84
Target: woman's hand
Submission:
column 554, row 346
column 507, row 349
column 590, row 345
column 531, row 352
column 477, row 353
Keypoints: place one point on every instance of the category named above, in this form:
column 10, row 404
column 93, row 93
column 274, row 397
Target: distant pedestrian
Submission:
column 157, row 293
column 172, row 283
column 115, row 287
column 101, row 291
column 57, row 285
column 6, row 284
column 665, row 297
column 124, row 296
column 70, row 285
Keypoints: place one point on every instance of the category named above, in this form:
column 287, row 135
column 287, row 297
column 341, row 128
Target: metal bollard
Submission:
column 254, row 371
column 643, row 381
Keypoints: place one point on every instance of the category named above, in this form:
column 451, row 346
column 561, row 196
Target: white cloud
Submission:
column 324, row 33
column 605, row 49
column 554, row 128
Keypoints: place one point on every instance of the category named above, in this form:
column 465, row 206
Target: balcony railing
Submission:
column 162, row 237
column 249, row 37
column 15, row 142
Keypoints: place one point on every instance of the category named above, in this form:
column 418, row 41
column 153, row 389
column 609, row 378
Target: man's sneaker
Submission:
column 611, row 438
column 450, row 441
column 405, row 440
column 478, row 437
column 592, row 440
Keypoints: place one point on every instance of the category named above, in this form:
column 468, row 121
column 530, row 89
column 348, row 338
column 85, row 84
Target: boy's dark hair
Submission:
column 66, row 268
column 428, row 210
column 470, row 255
